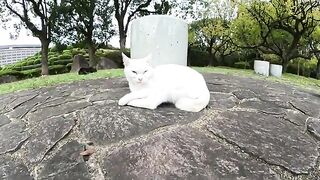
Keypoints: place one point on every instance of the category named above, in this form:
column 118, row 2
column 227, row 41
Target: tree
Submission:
column 213, row 29
column 213, row 35
column 85, row 20
column 314, row 44
column 127, row 10
column 276, row 27
column 37, row 16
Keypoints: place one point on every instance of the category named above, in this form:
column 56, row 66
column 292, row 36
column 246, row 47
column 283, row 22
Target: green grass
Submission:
column 57, row 79
column 299, row 81
column 287, row 78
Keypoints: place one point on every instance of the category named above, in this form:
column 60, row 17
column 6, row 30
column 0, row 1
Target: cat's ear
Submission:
column 125, row 60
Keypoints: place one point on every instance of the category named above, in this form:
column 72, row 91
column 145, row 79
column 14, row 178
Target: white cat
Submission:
column 180, row 85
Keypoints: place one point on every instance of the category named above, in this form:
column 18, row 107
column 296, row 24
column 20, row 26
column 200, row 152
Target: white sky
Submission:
column 24, row 38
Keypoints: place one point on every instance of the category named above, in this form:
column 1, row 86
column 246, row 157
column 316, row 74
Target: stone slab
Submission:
column 67, row 163
column 13, row 170
column 12, row 135
column 180, row 154
column 106, row 124
column 45, row 136
column 274, row 140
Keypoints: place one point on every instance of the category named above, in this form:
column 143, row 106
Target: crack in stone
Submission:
column 254, row 155
column 219, row 84
column 54, row 145
column 28, row 110
column 288, row 120
column 17, row 147
column 19, row 104
column 54, row 105
column 271, row 113
column 298, row 109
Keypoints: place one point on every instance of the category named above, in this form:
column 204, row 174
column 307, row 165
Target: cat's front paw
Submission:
column 122, row 102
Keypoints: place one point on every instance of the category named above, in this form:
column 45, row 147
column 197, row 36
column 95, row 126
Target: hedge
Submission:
column 65, row 56
column 32, row 73
column 58, row 69
column 62, row 62
column 18, row 74
column 242, row 65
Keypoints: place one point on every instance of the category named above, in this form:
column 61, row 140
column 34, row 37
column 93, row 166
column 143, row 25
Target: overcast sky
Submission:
column 24, row 38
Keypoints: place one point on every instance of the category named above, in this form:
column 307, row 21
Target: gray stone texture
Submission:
column 251, row 129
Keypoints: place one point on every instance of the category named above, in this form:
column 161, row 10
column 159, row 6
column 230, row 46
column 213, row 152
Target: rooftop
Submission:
column 20, row 46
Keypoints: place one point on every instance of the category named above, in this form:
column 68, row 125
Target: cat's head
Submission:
column 137, row 71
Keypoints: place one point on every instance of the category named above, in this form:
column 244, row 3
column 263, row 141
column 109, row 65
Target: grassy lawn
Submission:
column 302, row 82
column 292, row 79
column 57, row 79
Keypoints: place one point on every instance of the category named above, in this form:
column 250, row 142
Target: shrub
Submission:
column 52, row 59
column 302, row 67
column 17, row 74
column 198, row 58
column 58, row 69
column 67, row 51
column 34, row 66
column 51, row 53
column 22, row 63
column 62, row 62
column 37, row 61
column 272, row 58
column 76, row 51
column 32, row 73
column 68, row 66
column 242, row 65
column 65, row 56
column 30, row 62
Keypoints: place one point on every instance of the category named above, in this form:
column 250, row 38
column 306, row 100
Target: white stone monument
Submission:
column 275, row 70
column 165, row 37
column 261, row 67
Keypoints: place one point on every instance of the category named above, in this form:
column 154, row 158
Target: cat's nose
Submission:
column 140, row 79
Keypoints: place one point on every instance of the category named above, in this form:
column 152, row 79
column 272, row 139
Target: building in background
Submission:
column 13, row 53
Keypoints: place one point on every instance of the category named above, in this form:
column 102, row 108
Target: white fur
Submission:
column 180, row 85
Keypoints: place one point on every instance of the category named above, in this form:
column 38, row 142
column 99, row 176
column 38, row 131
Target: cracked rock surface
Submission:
column 251, row 129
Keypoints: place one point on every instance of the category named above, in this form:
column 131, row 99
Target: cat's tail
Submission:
column 194, row 103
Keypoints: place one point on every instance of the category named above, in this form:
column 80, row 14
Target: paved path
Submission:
column 252, row 129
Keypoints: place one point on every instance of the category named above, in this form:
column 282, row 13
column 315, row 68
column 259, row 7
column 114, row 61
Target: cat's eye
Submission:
column 134, row 72
column 145, row 71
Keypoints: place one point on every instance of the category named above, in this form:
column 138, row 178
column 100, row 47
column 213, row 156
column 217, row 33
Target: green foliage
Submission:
column 12, row 72
column 65, row 56
column 302, row 67
column 32, row 73
column 82, row 20
column 58, row 69
column 198, row 58
column 242, row 65
column 276, row 27
column 273, row 59
column 62, row 62
column 37, row 61
column 245, row 29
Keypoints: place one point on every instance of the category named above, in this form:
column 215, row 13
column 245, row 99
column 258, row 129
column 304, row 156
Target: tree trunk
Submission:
column 318, row 68
column 188, row 56
column 122, row 41
column 92, row 54
column 122, row 34
column 210, row 56
column 44, row 56
column 285, row 63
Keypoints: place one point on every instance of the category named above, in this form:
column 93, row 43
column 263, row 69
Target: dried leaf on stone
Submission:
column 89, row 151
